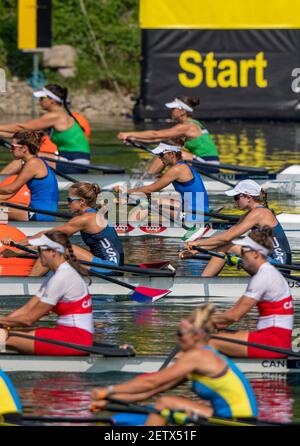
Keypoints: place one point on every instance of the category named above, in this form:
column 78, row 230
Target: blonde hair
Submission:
column 201, row 319
column 87, row 191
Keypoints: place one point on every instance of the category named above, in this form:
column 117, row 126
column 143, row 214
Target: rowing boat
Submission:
column 191, row 289
column 289, row 222
column 287, row 181
column 137, row 364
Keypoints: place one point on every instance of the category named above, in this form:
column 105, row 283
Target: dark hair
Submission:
column 263, row 198
column 31, row 138
column 191, row 102
column 63, row 239
column 62, row 93
column 87, row 191
column 263, row 236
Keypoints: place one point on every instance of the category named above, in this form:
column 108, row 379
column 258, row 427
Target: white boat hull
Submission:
column 191, row 289
column 138, row 364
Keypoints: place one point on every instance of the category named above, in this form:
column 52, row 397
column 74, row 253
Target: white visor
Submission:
column 250, row 243
column 46, row 243
column 162, row 147
column 44, row 92
column 247, row 187
column 177, row 103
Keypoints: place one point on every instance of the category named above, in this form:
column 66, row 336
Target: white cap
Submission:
column 177, row 103
column 44, row 92
column 247, row 187
column 44, row 243
column 249, row 242
column 162, row 147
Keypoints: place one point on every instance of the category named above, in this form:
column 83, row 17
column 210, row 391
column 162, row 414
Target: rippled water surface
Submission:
column 151, row 328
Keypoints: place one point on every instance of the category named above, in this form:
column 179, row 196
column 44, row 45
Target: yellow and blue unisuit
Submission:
column 230, row 393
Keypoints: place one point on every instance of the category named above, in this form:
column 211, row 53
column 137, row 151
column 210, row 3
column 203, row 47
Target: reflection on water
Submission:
column 151, row 328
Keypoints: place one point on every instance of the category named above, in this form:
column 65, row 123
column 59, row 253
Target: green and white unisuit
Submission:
column 73, row 146
column 203, row 145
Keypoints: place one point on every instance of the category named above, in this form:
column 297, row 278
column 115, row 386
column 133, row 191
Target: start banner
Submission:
column 240, row 59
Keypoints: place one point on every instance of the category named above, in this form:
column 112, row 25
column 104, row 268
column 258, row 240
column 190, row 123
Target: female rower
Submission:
column 36, row 174
column 185, row 179
column 198, row 140
column 249, row 196
column 269, row 292
column 102, row 239
column 64, row 129
column 64, row 293
column 214, row 378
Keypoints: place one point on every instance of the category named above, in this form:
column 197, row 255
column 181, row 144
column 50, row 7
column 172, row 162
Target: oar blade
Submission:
column 155, row 265
column 143, row 294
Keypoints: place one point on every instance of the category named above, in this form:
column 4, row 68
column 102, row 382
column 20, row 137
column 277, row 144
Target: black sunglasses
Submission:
column 237, row 197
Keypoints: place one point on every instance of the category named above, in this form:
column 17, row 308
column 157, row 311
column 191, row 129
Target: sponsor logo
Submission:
column 226, row 73
column 123, row 229
column 288, row 305
column 153, row 229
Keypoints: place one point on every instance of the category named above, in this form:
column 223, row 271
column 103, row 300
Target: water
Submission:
column 151, row 328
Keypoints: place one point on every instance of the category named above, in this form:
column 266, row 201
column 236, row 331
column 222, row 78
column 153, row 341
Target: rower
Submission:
column 36, row 174
column 248, row 195
column 185, row 179
column 214, row 378
column 64, row 293
column 64, row 129
column 101, row 238
column 10, row 403
column 269, row 292
column 199, row 143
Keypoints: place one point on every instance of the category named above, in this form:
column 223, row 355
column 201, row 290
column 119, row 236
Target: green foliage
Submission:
column 115, row 24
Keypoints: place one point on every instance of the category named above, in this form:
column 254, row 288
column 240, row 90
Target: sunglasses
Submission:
column 237, row 197
column 16, row 146
column 71, row 199
column 245, row 249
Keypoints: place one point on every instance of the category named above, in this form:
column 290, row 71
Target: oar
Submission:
column 170, row 356
column 66, row 419
column 147, row 148
column 140, row 294
column 173, row 416
column 283, row 351
column 104, row 351
column 146, row 266
column 64, row 175
column 98, row 167
column 37, row 211
column 131, row 269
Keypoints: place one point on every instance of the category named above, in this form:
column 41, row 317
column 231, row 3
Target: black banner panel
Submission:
column 239, row 73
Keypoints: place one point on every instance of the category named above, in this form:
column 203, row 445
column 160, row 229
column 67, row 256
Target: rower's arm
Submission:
column 44, row 122
column 26, row 174
column 155, row 382
column 234, row 314
column 13, row 168
column 161, row 183
column 156, row 135
column 243, row 226
column 28, row 314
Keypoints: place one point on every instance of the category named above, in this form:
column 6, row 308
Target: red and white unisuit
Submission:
column 68, row 294
column 276, row 314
